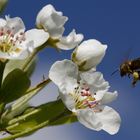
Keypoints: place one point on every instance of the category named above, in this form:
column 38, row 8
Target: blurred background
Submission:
column 115, row 23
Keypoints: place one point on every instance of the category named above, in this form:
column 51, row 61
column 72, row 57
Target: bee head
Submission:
column 124, row 69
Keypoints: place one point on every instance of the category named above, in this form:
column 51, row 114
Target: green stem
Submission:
column 29, row 131
column 29, row 60
column 40, row 86
column 32, row 92
column 21, row 118
column 2, row 67
column 2, row 105
column 38, row 49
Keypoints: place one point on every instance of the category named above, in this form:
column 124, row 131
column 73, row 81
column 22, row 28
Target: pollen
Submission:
column 136, row 75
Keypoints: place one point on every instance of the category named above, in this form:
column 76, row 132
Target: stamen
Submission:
column 8, row 32
column 8, row 40
column 83, row 97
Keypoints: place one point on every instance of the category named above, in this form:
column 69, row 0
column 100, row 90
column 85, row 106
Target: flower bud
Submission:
column 89, row 54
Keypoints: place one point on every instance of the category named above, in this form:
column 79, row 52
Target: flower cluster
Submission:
column 83, row 92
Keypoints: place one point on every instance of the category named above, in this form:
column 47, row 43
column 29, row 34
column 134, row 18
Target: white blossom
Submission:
column 15, row 43
column 53, row 22
column 86, row 94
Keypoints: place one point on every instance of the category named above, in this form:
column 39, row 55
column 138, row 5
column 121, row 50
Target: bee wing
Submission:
column 135, row 64
column 127, row 54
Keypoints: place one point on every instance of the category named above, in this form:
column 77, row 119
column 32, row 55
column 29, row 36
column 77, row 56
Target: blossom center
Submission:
column 83, row 96
column 9, row 41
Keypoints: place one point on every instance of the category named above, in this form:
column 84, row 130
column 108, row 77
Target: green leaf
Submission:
column 67, row 119
column 51, row 112
column 21, row 104
column 13, row 64
column 2, row 67
column 14, row 86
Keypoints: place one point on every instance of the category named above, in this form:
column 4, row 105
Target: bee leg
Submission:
column 134, row 83
column 135, row 78
column 129, row 75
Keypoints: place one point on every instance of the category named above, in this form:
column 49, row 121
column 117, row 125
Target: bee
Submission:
column 130, row 68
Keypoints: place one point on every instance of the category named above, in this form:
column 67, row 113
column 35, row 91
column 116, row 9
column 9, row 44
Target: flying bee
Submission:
column 130, row 68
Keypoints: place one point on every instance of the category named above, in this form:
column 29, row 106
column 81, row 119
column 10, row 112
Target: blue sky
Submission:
column 115, row 23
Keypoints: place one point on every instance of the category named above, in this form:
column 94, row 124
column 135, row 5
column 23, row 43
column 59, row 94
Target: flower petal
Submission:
column 99, row 95
column 15, row 24
column 109, row 97
column 64, row 75
column 2, row 22
column 95, row 80
column 88, row 118
column 56, row 33
column 44, row 13
column 51, row 20
column 68, row 101
column 38, row 36
column 54, row 25
column 27, row 50
column 13, row 55
column 59, row 20
column 70, row 41
column 110, row 120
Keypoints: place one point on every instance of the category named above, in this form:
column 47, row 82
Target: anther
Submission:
column 21, row 33
column 8, row 32
column 1, row 33
column 87, row 89
column 17, row 38
column 12, row 35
